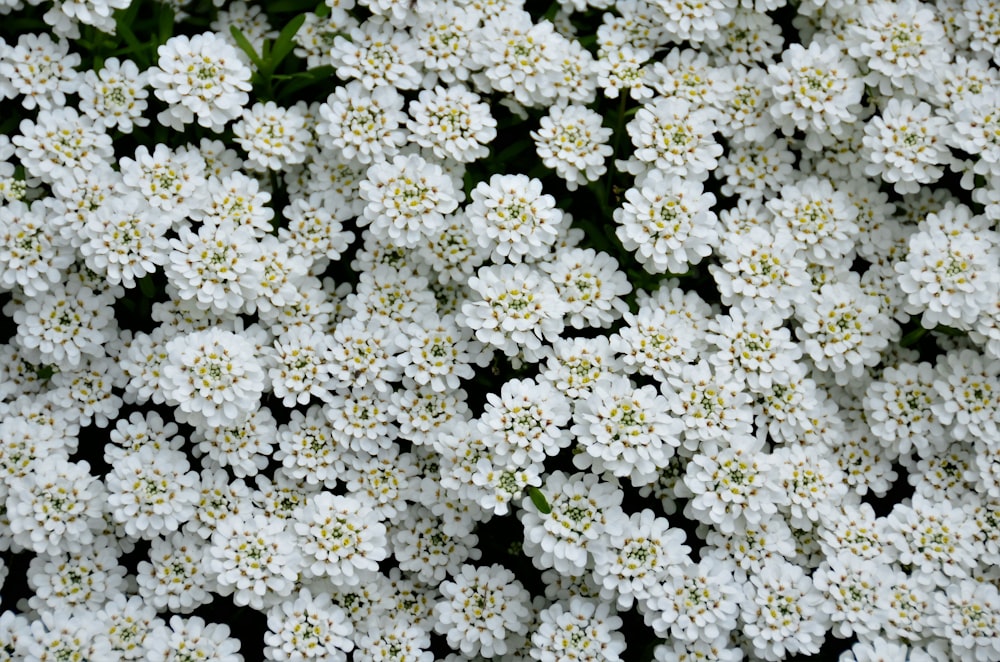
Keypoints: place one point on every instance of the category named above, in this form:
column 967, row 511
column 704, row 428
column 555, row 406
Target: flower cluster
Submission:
column 357, row 317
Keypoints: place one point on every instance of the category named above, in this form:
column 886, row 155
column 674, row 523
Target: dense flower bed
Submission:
column 466, row 329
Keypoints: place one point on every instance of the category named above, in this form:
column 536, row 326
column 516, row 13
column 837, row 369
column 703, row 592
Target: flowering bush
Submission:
column 453, row 329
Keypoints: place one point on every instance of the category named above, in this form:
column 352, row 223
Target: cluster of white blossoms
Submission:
column 445, row 329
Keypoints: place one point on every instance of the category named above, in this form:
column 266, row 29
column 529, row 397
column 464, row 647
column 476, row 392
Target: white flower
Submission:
column 83, row 580
column 900, row 42
column 214, row 375
column 756, row 169
column 422, row 413
column 516, row 309
column 524, row 423
column 361, row 419
column 937, row 538
column 733, row 488
column 191, row 638
column 438, row 353
column 969, row 619
column 696, row 603
column 363, row 354
column 125, row 239
column 880, row 648
column 60, row 141
column 518, row 56
column 668, row 221
column 55, row 507
column 675, row 136
column 584, row 509
column 152, row 492
column 391, row 296
column 899, row 409
column 313, row 228
column 625, row 430
column 32, row 255
column 751, row 36
column 218, row 268
column 855, row 589
column 394, row 639
column 301, row 366
column 339, row 540
column 65, row 325
column 60, row 634
column 307, row 448
column 843, row 331
column 272, row 136
column 41, row 69
column 572, row 141
column 782, row 612
column 634, row 563
column 712, row 405
column 407, row 199
column 66, row 17
column 812, row 483
column 481, row 609
column 578, row 629
column 173, row 181
column 421, row 546
column 377, row 54
column 175, row 577
column 453, row 123
column 253, row 557
column 305, row 627
column 115, row 95
column 819, row 218
column 665, row 334
column 511, row 215
column 683, row 651
column 910, row 611
column 386, row 481
column 950, row 273
column 236, row 199
column 591, row 285
column 968, row 386
column 761, row 269
column 126, row 623
column 444, row 38
column 754, row 346
column 621, row 68
column 905, row 145
column 362, row 125
column 689, row 20
column 202, row 77
column 575, row 365
column 453, row 251
column 817, row 90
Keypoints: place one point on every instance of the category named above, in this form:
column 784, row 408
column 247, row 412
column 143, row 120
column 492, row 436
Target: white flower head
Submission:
column 213, row 375
column 202, row 78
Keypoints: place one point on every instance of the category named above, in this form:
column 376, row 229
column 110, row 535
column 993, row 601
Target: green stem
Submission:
column 619, row 129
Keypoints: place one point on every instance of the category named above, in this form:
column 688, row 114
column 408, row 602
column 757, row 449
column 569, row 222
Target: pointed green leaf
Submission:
column 538, row 499
column 285, row 42
column 246, row 46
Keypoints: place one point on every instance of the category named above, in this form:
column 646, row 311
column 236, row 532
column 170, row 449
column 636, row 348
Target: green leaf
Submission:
column 322, row 10
column 912, row 337
column 165, row 23
column 538, row 499
column 247, row 48
column 298, row 82
column 136, row 49
column 949, row 331
column 285, row 43
column 146, row 287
